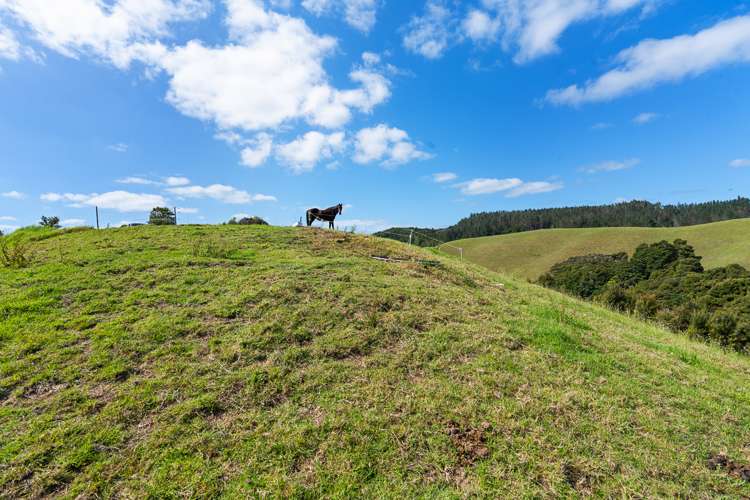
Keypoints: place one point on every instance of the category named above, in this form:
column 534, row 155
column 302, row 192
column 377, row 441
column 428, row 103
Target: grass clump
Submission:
column 16, row 254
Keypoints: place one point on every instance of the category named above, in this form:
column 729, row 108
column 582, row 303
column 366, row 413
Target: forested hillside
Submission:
column 629, row 214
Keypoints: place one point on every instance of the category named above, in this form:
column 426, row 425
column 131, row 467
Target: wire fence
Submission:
column 413, row 232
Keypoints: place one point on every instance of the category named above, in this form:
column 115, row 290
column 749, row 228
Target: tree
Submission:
column 162, row 216
column 53, row 222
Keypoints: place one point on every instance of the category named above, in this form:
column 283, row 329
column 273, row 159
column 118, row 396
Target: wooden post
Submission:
column 175, row 216
column 97, row 217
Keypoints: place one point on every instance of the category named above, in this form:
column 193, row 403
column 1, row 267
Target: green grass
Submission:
column 530, row 254
column 258, row 361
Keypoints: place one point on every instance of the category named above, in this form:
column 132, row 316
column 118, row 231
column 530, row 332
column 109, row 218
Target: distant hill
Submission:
column 530, row 254
column 629, row 214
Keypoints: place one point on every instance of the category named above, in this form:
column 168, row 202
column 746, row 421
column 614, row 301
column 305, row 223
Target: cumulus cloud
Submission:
column 513, row 187
column 480, row 26
column 122, row 201
column 388, row 145
column 7, row 218
column 429, row 34
column 654, row 62
column 441, row 177
column 9, row 46
column 13, row 195
column 219, row 192
column 611, row 166
column 108, row 31
column 142, row 181
column 270, row 75
column 359, row 14
column 303, row 153
column 740, row 162
column 644, row 118
column 256, row 151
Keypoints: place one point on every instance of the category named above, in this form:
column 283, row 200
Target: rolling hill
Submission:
column 530, row 254
column 288, row 362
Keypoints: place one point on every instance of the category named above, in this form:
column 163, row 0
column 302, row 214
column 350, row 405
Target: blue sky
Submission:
column 409, row 112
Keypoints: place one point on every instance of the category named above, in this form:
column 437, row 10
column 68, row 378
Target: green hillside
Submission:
column 259, row 361
column 528, row 255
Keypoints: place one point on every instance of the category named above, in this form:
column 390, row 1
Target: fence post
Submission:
column 410, row 235
column 97, row 217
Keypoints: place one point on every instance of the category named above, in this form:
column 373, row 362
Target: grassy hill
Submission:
column 528, row 255
column 262, row 361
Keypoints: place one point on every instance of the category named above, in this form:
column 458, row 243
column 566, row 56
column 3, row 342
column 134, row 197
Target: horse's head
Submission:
column 340, row 208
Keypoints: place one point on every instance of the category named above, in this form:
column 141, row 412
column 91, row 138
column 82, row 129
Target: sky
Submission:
column 409, row 113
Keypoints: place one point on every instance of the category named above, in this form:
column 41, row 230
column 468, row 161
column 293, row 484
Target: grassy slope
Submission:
column 528, row 255
column 248, row 360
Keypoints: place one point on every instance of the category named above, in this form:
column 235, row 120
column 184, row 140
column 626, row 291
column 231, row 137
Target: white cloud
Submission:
column 175, row 181
column 264, row 197
column 13, row 195
column 109, row 31
column 611, row 166
column 644, row 118
column 429, row 34
column 255, row 152
column 441, row 177
column 487, row 186
column 272, row 76
column 73, row 222
column 7, row 218
column 740, row 162
column 480, row 26
column 538, row 187
column 513, row 187
column 653, row 62
column 136, row 180
column 302, row 154
column 9, row 46
column 119, row 147
column 187, row 210
column 390, row 146
column 122, row 201
column 219, row 192
column 359, row 14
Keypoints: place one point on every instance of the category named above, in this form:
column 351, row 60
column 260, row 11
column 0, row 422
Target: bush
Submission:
column 248, row 221
column 14, row 253
column 616, row 297
column 699, row 324
column 721, row 327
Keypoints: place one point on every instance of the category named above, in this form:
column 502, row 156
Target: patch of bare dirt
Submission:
column 720, row 461
column 577, row 478
column 470, row 443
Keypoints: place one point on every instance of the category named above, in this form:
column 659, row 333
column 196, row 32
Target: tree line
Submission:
column 667, row 283
column 627, row 214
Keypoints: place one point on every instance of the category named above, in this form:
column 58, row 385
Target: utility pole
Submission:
column 97, row 217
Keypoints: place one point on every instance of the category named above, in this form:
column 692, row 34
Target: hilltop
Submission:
column 529, row 255
column 264, row 361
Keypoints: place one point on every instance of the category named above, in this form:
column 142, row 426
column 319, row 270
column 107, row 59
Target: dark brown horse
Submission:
column 329, row 214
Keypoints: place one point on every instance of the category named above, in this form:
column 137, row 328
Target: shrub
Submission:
column 248, row 221
column 616, row 297
column 699, row 324
column 14, row 253
column 721, row 327
column 740, row 338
